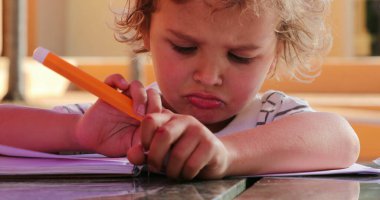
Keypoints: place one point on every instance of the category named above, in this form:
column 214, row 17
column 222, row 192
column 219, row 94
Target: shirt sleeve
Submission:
column 73, row 108
column 276, row 105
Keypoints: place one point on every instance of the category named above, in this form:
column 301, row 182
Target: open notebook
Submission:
column 18, row 162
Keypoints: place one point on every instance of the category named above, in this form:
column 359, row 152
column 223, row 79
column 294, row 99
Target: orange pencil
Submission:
column 86, row 81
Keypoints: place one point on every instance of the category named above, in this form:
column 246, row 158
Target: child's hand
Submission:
column 106, row 130
column 182, row 145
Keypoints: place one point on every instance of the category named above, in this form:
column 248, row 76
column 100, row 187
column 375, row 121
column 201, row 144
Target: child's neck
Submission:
column 218, row 126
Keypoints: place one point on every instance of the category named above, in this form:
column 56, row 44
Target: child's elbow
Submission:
column 353, row 148
column 348, row 141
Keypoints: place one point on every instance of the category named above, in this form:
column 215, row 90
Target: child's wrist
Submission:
column 74, row 137
column 231, row 156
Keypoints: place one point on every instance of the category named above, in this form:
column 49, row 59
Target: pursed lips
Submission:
column 204, row 101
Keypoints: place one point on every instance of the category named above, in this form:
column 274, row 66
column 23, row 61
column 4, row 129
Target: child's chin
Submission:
column 207, row 119
column 215, row 122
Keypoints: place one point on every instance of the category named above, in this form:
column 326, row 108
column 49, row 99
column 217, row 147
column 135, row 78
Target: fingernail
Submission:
column 154, row 89
column 124, row 82
column 141, row 110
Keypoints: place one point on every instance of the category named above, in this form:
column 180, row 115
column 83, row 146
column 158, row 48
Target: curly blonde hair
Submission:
column 302, row 30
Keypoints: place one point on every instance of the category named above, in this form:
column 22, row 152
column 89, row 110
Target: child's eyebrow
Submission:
column 249, row 47
column 183, row 36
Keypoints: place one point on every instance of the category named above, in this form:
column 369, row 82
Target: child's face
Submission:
column 210, row 65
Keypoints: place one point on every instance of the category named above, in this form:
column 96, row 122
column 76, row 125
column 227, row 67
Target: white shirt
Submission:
column 263, row 109
column 266, row 108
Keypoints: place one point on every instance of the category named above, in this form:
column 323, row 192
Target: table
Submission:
column 160, row 187
column 142, row 187
column 318, row 188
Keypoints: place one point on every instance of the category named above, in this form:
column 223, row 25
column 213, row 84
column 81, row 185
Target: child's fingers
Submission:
column 136, row 155
column 139, row 96
column 196, row 161
column 166, row 111
column 136, row 136
column 179, row 154
column 149, row 126
column 154, row 101
column 164, row 138
column 117, row 81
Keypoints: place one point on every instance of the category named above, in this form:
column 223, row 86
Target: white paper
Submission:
column 353, row 169
column 17, row 152
column 377, row 161
column 16, row 161
column 21, row 161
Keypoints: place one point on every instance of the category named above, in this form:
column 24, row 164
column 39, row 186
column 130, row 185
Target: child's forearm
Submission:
column 302, row 142
column 37, row 129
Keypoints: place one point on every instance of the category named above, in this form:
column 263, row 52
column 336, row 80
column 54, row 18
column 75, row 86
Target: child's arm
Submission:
column 51, row 131
column 300, row 142
column 37, row 129
column 102, row 128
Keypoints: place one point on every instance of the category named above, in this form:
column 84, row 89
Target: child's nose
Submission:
column 209, row 73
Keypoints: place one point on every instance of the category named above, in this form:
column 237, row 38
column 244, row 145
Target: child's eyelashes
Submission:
column 239, row 59
column 184, row 49
column 190, row 50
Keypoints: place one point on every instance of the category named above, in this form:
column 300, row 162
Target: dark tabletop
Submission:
column 159, row 187
column 142, row 187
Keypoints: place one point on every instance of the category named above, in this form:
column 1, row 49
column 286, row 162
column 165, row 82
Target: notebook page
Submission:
column 18, row 152
column 16, row 161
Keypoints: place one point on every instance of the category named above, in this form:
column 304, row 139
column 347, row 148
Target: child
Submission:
column 204, row 117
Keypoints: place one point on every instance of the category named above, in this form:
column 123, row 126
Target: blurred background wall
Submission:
column 81, row 28
column 74, row 28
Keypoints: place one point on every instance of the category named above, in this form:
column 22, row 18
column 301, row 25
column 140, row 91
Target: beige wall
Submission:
column 81, row 27
column 347, row 22
column 89, row 28
column 77, row 28
column 362, row 40
column 338, row 18
column 50, row 25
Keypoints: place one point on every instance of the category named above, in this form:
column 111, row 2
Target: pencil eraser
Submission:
column 40, row 54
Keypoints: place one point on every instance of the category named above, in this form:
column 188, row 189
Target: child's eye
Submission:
column 239, row 59
column 184, row 49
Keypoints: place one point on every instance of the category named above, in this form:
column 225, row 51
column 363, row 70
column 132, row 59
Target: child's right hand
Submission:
column 106, row 130
column 181, row 145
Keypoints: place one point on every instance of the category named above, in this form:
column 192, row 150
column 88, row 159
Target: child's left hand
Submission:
column 104, row 129
column 182, row 145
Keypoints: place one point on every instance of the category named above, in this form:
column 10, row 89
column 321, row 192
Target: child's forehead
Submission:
column 236, row 11
column 213, row 10
column 255, row 6
column 241, row 7
column 230, row 24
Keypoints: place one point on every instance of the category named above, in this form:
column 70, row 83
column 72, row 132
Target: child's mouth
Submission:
column 204, row 102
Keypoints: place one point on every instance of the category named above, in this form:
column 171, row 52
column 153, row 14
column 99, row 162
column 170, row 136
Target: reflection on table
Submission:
column 154, row 187
column 302, row 188
column 350, row 187
column 355, row 187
